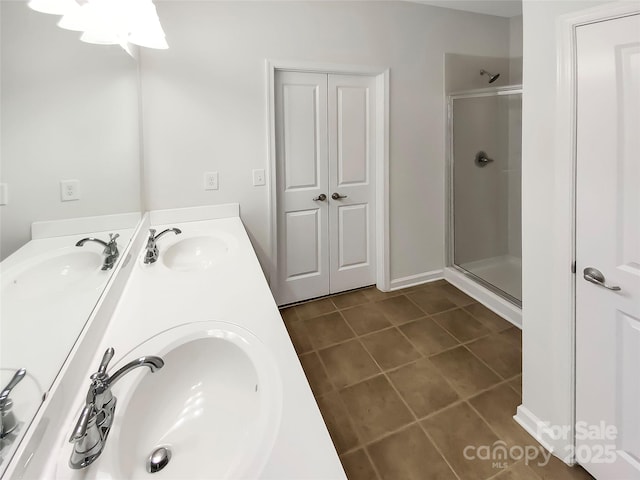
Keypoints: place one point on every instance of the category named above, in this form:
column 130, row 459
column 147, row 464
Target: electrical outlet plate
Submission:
column 258, row 177
column 69, row 190
column 211, row 180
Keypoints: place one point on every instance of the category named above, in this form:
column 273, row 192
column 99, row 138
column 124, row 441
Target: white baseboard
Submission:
column 413, row 280
column 493, row 302
column 543, row 435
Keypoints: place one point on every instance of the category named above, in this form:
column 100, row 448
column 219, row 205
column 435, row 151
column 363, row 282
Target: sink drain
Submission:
column 158, row 459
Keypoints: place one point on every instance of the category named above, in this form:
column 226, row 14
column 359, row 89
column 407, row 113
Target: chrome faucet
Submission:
column 92, row 429
column 151, row 255
column 110, row 249
column 8, row 421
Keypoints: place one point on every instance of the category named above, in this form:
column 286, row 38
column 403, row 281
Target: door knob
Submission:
column 594, row 275
column 320, row 198
column 337, row 196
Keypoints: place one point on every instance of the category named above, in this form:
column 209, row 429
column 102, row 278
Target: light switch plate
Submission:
column 4, row 194
column 258, row 177
column 69, row 190
column 211, row 180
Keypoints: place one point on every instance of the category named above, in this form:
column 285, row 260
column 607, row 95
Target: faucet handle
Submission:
column 112, row 237
column 106, row 358
column 152, row 233
column 17, row 378
column 80, row 430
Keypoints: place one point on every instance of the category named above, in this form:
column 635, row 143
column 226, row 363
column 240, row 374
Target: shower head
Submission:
column 492, row 77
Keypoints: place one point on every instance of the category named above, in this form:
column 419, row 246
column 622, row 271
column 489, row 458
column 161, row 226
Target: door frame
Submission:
column 564, row 251
column 381, row 160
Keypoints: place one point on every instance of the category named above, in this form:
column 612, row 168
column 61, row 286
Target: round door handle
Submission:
column 594, row 275
column 337, row 196
column 320, row 198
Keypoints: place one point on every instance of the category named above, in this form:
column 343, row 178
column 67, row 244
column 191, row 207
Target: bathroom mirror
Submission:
column 69, row 169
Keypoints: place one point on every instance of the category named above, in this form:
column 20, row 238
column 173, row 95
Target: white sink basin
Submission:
column 59, row 270
column 197, row 253
column 215, row 405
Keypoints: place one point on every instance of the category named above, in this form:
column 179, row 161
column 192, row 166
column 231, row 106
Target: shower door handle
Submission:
column 594, row 275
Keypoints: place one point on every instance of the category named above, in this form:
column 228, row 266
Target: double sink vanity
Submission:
column 183, row 370
column 81, row 275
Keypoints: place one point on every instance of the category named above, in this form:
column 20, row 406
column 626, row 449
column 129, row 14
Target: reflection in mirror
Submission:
column 69, row 195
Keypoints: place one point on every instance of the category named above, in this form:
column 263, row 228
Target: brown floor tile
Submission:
column 327, row 329
column 314, row 308
column 452, row 431
column 426, row 286
column 349, row 299
column 489, row 319
column 427, row 336
column 456, row 296
column 431, row 301
column 409, row 455
column 516, row 384
column 514, row 335
column 519, row 471
column 390, row 348
column 465, row 372
column 348, row 363
column 556, row 469
column 422, row 387
column 399, row 310
column 375, row 408
column 337, row 420
column 299, row 336
column 366, row 318
column 461, row 325
column 357, row 466
column 498, row 406
column 314, row 371
column 499, row 353
column 289, row 315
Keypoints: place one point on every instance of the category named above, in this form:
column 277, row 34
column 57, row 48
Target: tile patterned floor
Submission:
column 406, row 380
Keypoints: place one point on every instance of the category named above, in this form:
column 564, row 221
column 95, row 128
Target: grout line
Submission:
column 385, row 372
column 412, row 413
column 485, row 363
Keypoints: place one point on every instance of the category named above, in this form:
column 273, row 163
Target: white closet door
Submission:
column 352, row 176
column 608, row 239
column 302, row 175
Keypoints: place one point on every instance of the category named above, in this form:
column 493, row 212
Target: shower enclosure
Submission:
column 485, row 243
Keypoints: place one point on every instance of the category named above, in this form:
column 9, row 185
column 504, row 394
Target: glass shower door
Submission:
column 486, row 189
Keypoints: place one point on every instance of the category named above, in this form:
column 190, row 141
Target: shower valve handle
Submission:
column 482, row 159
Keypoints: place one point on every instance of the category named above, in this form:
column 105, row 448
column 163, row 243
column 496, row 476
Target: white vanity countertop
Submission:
column 43, row 299
column 233, row 290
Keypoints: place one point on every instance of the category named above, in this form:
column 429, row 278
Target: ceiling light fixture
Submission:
column 108, row 22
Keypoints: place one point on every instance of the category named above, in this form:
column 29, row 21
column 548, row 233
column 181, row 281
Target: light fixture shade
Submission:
column 109, row 22
column 100, row 38
column 77, row 20
column 145, row 29
column 54, row 7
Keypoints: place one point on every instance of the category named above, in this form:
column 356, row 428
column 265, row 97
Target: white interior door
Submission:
column 325, row 181
column 352, row 179
column 608, row 239
column 302, row 172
